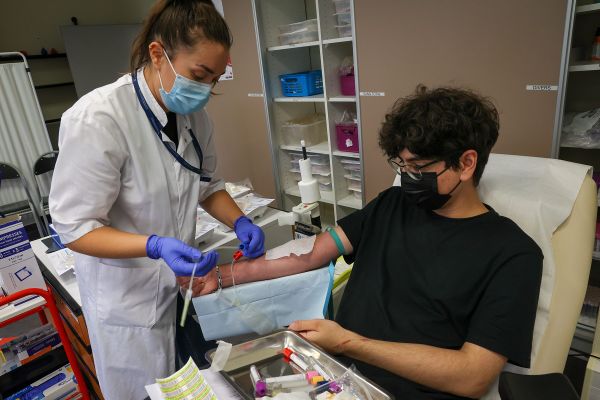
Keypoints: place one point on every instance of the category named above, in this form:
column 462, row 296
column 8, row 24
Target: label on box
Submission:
column 18, row 267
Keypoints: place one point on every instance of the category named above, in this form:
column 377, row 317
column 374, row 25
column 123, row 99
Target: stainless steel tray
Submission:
column 265, row 353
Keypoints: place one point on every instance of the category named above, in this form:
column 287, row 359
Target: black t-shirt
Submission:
column 170, row 128
column 422, row 278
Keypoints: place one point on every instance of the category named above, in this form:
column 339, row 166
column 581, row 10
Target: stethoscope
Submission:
column 158, row 128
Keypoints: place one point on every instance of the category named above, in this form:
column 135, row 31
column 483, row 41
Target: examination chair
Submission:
column 572, row 246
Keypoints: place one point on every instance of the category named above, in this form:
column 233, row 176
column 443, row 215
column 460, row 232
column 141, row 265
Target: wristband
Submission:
column 337, row 240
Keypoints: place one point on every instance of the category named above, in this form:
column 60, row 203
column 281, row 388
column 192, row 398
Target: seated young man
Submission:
column 444, row 290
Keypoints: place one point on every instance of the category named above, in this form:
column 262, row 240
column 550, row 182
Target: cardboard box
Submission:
column 18, row 266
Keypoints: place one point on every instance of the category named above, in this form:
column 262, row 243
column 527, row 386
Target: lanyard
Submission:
column 158, row 128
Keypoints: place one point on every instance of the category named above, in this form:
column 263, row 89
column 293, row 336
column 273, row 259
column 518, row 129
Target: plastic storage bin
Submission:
column 303, row 36
column 311, row 129
column 344, row 30
column 321, row 178
column 347, row 87
column 350, row 162
column 353, row 173
column 357, row 194
column 317, row 169
column 347, row 136
column 326, row 187
column 341, row 5
column 301, row 84
column 352, row 167
column 315, row 159
column 308, row 25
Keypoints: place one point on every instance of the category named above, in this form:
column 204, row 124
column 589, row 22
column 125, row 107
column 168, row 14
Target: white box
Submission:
column 18, row 266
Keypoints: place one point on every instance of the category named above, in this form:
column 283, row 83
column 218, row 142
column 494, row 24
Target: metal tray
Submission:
column 265, row 353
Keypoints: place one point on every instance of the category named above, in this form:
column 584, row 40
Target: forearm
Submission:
column 222, row 207
column 324, row 250
column 108, row 242
column 452, row 371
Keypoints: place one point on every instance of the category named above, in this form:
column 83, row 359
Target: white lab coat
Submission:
column 112, row 170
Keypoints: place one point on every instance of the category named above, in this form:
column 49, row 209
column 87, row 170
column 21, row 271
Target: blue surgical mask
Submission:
column 186, row 96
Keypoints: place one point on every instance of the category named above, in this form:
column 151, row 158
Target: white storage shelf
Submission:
column 317, row 98
column 351, row 202
column 337, row 40
column 327, row 55
column 321, row 148
column 346, row 154
column 293, row 46
column 593, row 145
column 588, row 8
column 585, row 66
column 343, row 99
column 333, row 58
column 326, row 196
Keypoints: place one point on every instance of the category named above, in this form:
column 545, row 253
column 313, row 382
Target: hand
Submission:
column 180, row 257
column 327, row 334
column 201, row 286
column 251, row 236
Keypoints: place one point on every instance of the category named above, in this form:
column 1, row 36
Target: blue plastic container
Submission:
column 301, row 84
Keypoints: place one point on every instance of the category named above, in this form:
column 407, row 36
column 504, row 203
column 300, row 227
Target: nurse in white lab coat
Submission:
column 125, row 191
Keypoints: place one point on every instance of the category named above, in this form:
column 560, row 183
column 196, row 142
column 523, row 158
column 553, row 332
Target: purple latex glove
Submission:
column 180, row 257
column 251, row 236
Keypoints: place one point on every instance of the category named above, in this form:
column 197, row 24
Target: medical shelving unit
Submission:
column 325, row 54
column 579, row 75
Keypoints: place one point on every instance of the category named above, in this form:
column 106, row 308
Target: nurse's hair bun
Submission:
column 179, row 24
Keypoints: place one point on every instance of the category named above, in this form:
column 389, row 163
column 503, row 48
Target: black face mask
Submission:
column 424, row 192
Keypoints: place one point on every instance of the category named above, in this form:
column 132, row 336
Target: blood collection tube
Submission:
column 288, row 353
column 260, row 388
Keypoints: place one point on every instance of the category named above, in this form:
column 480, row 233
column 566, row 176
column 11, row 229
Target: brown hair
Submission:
column 176, row 24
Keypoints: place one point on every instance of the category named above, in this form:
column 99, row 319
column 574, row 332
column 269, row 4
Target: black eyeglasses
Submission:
column 414, row 171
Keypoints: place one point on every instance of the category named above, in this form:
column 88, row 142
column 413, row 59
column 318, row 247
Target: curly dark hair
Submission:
column 441, row 123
